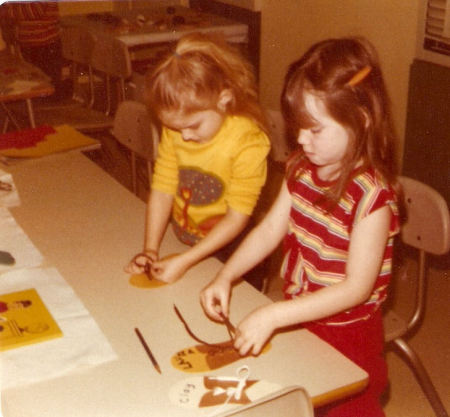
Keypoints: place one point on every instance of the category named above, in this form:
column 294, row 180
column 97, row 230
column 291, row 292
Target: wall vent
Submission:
column 433, row 36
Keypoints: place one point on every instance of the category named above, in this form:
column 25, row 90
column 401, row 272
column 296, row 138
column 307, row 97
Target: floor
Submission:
column 431, row 341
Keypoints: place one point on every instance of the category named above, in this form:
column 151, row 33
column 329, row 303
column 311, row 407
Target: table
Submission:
column 88, row 226
column 20, row 80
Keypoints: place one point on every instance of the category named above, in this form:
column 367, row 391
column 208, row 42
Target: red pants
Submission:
column 363, row 343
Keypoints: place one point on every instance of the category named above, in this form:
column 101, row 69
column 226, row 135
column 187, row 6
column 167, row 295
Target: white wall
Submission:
column 289, row 27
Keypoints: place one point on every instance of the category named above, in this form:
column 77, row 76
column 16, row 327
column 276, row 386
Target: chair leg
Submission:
column 133, row 172
column 9, row 118
column 423, row 377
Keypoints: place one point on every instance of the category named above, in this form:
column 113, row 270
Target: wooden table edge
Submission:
column 339, row 393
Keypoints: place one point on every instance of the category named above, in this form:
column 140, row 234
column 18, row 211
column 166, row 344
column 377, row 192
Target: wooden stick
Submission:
column 147, row 349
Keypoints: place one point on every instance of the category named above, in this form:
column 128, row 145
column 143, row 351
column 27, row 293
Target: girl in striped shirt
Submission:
column 336, row 214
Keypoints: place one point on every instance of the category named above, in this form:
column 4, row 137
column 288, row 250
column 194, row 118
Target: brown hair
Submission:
column 345, row 74
column 192, row 77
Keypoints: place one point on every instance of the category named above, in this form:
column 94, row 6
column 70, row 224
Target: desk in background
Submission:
column 20, row 80
column 139, row 29
column 88, row 226
column 148, row 33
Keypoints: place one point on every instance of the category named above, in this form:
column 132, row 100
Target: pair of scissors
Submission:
column 231, row 329
column 146, row 264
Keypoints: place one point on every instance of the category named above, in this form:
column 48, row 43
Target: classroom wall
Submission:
column 70, row 7
column 289, row 27
column 80, row 7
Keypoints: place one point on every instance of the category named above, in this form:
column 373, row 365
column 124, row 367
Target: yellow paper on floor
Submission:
column 66, row 138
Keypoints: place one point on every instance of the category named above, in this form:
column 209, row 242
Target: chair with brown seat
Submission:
column 427, row 229
column 78, row 46
column 111, row 60
column 134, row 128
column 288, row 402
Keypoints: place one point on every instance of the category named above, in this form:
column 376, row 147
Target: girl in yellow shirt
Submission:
column 211, row 161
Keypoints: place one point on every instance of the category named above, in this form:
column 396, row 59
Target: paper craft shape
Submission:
column 146, row 279
column 25, row 138
column 212, row 391
column 205, row 358
column 24, row 319
column 143, row 281
column 64, row 138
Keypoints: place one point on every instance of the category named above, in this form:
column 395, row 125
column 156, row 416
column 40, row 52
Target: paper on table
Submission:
column 14, row 240
column 8, row 198
column 64, row 138
column 83, row 343
column 21, row 86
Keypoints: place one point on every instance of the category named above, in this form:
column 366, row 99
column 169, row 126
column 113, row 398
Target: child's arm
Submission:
column 259, row 243
column 222, row 233
column 367, row 246
column 159, row 208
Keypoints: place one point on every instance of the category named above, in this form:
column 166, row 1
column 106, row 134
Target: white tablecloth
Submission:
column 83, row 344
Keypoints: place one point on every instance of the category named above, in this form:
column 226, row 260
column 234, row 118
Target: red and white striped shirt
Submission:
column 317, row 243
column 37, row 23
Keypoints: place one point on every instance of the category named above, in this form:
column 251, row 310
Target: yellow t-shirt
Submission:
column 207, row 178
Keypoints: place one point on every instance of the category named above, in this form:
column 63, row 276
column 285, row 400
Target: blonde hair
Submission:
column 345, row 74
column 192, row 77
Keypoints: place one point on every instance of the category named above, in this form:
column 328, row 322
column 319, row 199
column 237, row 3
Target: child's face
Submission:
column 200, row 126
column 325, row 144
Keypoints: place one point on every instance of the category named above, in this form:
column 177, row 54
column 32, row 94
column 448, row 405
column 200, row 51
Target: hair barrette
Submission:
column 359, row 76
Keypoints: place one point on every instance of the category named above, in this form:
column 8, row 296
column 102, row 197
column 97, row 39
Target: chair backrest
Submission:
column 133, row 127
column 427, row 227
column 289, row 402
column 277, row 131
column 77, row 44
column 111, row 56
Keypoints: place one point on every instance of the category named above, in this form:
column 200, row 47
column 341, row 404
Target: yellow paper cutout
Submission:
column 143, row 281
column 24, row 320
column 204, row 358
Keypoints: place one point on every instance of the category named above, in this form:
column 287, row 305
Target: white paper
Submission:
column 83, row 344
column 15, row 241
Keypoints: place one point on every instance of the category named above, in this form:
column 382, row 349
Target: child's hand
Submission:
column 214, row 298
column 170, row 269
column 254, row 331
column 141, row 262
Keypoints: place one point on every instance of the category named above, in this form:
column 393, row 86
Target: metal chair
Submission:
column 427, row 229
column 78, row 47
column 111, row 60
column 288, row 402
column 134, row 128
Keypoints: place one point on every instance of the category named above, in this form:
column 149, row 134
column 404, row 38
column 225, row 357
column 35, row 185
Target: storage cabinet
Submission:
column 427, row 135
